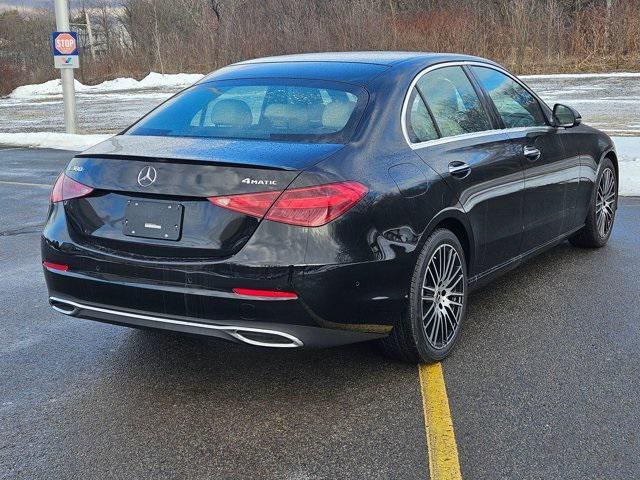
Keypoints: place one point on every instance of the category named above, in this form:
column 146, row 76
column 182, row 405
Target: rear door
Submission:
column 450, row 127
column 551, row 174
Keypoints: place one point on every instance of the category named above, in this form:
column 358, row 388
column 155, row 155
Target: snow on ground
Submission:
column 606, row 101
column 583, row 75
column 168, row 81
column 153, row 80
column 609, row 102
column 62, row 141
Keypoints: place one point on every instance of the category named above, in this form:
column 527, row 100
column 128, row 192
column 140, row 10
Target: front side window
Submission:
column 453, row 102
column 420, row 125
column 515, row 105
column 312, row 112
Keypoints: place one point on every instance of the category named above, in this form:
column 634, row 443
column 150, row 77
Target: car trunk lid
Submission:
column 146, row 186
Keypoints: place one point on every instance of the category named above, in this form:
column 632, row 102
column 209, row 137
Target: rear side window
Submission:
column 314, row 112
column 419, row 122
column 453, row 102
column 515, row 105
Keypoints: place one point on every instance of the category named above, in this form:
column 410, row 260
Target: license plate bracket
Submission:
column 159, row 220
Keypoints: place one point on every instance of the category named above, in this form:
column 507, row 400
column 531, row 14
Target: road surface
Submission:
column 544, row 382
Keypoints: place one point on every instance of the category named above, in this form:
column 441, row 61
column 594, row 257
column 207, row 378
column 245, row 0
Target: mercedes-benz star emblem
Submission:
column 147, row 176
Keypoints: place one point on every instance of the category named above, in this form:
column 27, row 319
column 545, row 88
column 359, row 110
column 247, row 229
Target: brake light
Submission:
column 306, row 206
column 250, row 292
column 67, row 188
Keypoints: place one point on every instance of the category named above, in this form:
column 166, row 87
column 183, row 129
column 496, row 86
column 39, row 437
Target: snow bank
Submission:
column 583, row 75
column 628, row 149
column 630, row 178
column 63, row 141
column 153, row 80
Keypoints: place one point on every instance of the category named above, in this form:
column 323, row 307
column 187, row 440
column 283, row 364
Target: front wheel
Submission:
column 437, row 303
column 602, row 210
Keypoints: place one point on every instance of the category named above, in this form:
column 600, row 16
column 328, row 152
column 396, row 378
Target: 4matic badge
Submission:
column 252, row 181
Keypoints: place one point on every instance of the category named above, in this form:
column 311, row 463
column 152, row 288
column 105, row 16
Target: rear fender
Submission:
column 454, row 218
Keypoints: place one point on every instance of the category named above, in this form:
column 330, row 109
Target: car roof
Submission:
column 372, row 57
column 351, row 67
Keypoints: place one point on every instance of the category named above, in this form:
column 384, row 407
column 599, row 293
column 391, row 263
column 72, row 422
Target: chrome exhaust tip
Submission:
column 266, row 338
column 62, row 306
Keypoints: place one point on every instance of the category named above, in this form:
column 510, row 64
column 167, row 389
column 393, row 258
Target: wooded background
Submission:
column 133, row 37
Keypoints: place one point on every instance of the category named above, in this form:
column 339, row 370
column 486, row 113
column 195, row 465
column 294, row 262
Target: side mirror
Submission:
column 566, row 116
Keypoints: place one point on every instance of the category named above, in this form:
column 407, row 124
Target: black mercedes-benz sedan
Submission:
column 323, row 199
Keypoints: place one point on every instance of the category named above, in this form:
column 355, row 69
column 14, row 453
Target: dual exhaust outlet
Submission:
column 253, row 336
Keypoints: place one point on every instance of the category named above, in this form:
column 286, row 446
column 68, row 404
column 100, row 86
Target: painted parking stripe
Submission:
column 441, row 440
column 23, row 184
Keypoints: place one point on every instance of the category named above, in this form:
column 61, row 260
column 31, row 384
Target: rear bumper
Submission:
column 336, row 303
column 283, row 323
column 252, row 333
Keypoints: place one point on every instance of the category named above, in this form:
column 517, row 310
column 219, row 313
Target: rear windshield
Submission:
column 285, row 110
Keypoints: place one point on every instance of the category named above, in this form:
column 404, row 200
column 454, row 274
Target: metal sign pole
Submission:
column 68, row 89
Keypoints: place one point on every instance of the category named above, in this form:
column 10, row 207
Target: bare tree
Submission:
column 133, row 37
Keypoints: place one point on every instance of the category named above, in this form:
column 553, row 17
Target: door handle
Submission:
column 532, row 153
column 459, row 169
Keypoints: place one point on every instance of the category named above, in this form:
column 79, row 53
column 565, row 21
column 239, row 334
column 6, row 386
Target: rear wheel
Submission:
column 437, row 303
column 602, row 210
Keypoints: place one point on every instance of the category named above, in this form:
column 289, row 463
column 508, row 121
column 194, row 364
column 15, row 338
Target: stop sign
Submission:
column 65, row 43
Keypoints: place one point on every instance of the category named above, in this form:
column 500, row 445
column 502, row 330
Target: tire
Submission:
column 595, row 234
column 415, row 341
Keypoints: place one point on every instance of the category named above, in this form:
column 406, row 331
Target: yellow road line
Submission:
column 441, row 441
column 22, row 184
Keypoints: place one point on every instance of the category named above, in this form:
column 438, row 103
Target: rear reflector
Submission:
column 307, row 206
column 67, row 188
column 249, row 292
column 55, row 266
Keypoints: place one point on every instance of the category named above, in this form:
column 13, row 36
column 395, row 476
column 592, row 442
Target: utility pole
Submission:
column 66, row 74
column 92, row 47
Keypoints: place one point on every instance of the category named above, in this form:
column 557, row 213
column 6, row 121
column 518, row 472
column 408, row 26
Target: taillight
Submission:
column 315, row 206
column 254, row 204
column 306, row 206
column 67, row 188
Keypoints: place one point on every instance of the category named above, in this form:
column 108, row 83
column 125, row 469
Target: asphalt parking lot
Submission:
column 544, row 383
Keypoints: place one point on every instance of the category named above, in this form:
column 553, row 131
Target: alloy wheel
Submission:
column 442, row 296
column 605, row 202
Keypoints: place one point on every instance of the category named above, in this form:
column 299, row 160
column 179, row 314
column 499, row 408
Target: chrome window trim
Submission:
column 453, row 138
column 483, row 133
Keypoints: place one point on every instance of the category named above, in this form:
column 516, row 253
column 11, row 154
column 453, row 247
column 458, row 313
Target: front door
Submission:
column 547, row 206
